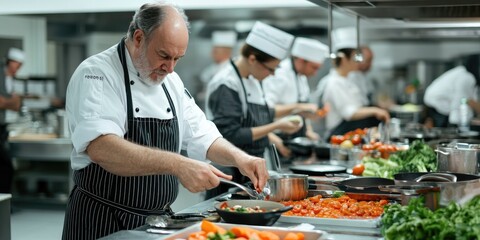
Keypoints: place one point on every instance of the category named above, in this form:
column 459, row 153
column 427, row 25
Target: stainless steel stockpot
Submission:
column 285, row 187
column 458, row 158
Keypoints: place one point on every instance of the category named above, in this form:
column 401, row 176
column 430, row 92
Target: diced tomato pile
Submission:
column 342, row 207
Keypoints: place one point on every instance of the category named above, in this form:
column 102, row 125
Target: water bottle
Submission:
column 464, row 120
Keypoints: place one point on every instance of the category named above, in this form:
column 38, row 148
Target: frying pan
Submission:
column 363, row 184
column 273, row 211
column 300, row 146
column 317, row 170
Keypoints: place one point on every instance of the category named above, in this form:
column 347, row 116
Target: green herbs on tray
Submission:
column 415, row 221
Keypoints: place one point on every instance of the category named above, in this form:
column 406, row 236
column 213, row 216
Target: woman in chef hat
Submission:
column 349, row 108
column 235, row 98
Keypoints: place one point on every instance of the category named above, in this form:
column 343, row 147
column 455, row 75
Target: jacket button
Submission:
column 137, row 109
column 168, row 109
column 132, row 82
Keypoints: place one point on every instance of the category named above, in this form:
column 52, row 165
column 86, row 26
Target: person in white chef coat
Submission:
column 235, row 97
column 359, row 77
column 9, row 101
column 349, row 108
column 288, row 89
column 129, row 116
column 444, row 95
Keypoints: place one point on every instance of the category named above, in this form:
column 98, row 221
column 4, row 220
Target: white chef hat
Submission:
column 309, row 49
column 224, row 38
column 270, row 40
column 16, row 54
column 345, row 37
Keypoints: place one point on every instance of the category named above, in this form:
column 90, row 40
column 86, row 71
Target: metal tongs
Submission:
column 251, row 192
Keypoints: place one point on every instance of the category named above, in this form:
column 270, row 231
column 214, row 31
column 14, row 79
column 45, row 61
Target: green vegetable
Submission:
column 338, row 194
column 418, row 158
column 415, row 221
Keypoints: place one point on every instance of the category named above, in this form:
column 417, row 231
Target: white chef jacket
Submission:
column 209, row 72
column 228, row 77
column 96, row 105
column 286, row 87
column 362, row 82
column 344, row 98
column 444, row 94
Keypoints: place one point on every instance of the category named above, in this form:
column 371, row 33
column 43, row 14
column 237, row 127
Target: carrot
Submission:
column 266, row 235
column 208, row 227
column 291, row 236
column 300, row 236
column 198, row 234
column 243, row 232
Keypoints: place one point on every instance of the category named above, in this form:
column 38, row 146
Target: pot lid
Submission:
column 318, row 170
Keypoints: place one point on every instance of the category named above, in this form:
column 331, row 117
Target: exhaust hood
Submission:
column 410, row 10
column 413, row 19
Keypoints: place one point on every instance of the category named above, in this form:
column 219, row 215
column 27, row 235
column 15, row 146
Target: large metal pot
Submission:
column 284, row 187
column 449, row 191
column 459, row 157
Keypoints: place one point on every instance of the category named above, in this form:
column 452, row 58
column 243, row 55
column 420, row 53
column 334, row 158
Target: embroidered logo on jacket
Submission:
column 88, row 76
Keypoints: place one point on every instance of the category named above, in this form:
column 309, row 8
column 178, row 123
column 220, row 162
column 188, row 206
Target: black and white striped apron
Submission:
column 101, row 202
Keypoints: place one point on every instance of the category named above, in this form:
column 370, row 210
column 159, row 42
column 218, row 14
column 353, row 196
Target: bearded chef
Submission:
column 130, row 115
column 288, row 89
column 235, row 97
column 349, row 108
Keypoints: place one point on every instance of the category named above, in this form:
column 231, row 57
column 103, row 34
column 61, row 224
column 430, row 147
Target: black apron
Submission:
column 6, row 167
column 101, row 202
column 257, row 115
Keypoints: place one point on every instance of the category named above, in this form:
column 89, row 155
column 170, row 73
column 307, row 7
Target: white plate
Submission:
column 281, row 232
column 340, row 222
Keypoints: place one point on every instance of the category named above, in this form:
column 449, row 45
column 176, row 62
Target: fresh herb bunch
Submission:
column 418, row 158
column 415, row 221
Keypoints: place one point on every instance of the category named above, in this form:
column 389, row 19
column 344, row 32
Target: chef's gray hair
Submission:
column 150, row 16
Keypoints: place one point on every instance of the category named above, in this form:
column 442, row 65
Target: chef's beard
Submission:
column 144, row 70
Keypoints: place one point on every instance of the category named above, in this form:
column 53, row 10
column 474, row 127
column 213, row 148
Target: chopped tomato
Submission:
column 358, row 169
column 337, row 139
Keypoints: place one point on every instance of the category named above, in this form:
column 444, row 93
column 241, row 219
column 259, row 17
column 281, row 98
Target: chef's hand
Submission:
column 382, row 115
column 282, row 149
column 198, row 176
column 306, row 110
column 289, row 125
column 254, row 168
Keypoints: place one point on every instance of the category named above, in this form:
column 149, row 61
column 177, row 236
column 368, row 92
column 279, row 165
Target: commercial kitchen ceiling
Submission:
column 298, row 21
column 410, row 10
column 436, row 20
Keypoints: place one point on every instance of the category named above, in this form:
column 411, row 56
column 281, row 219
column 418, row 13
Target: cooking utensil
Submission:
column 285, row 187
column 273, row 211
column 449, row 191
column 318, row 170
column 180, row 220
column 252, row 193
column 300, row 145
column 363, row 184
column 431, row 194
column 322, row 150
column 460, row 157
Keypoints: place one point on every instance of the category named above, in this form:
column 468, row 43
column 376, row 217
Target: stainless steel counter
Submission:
column 335, row 232
column 54, row 149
